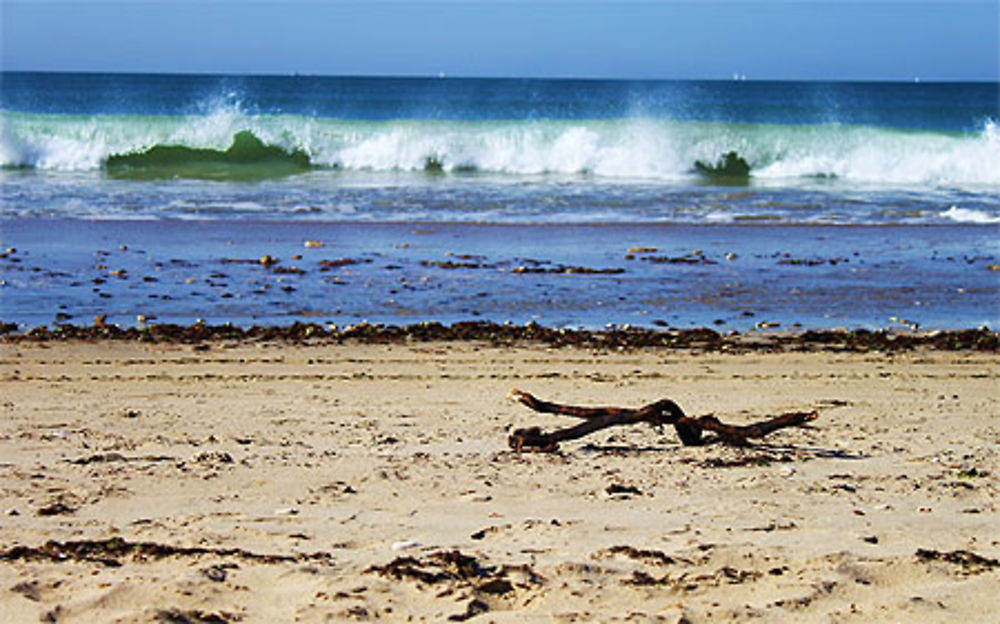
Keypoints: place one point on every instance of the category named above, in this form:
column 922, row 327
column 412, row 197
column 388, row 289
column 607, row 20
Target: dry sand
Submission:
column 275, row 483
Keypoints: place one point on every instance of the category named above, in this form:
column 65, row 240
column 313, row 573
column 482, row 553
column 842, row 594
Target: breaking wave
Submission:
column 216, row 145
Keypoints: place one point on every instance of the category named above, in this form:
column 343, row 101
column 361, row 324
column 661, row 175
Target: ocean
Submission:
column 272, row 199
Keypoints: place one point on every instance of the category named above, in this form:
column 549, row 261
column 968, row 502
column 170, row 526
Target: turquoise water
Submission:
column 823, row 204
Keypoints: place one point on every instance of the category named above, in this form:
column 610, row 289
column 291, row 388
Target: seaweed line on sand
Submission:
column 621, row 337
column 110, row 552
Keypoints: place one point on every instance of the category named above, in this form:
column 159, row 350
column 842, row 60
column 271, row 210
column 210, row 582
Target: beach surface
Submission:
column 272, row 482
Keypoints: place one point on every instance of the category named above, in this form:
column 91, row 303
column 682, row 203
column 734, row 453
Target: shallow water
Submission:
column 730, row 276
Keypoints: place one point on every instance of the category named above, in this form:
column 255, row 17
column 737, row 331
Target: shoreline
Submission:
column 773, row 339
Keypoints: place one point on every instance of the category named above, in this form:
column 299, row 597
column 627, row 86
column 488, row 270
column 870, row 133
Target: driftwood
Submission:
column 663, row 412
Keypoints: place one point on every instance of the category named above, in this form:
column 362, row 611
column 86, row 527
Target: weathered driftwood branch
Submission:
column 663, row 412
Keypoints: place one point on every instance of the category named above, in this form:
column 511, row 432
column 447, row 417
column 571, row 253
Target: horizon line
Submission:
column 735, row 77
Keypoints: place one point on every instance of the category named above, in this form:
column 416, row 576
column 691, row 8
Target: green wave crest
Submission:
column 247, row 159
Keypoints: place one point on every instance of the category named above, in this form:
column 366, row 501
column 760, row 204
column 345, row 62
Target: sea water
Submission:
column 852, row 203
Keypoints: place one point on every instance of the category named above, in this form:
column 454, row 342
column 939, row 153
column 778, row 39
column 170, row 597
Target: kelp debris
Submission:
column 474, row 608
column 725, row 575
column 57, row 508
column 704, row 339
column 563, row 269
column 695, row 257
column 618, row 488
column 452, row 567
column 969, row 561
column 195, row 616
column 657, row 557
column 112, row 457
column 790, row 261
column 327, row 265
column 112, row 552
column 452, row 264
column 437, row 567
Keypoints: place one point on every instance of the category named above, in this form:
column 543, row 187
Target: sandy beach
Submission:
column 270, row 482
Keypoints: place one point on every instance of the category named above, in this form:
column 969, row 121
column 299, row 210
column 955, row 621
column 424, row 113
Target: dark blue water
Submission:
column 958, row 107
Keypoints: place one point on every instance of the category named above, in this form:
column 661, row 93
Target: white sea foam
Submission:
column 967, row 215
column 650, row 149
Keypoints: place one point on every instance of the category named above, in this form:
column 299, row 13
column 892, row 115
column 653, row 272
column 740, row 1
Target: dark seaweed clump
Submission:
column 113, row 551
column 982, row 339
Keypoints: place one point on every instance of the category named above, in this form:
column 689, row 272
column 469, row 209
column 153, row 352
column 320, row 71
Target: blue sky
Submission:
column 804, row 39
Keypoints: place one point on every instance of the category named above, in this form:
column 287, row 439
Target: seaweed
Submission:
column 113, row 551
column 614, row 338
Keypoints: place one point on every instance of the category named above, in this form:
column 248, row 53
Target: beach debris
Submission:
column 405, row 544
column 326, row 265
column 788, row 260
column 98, row 458
column 455, row 573
column 755, row 459
column 213, row 457
column 627, row 490
column 654, row 557
column 611, row 338
column 562, row 269
column 725, row 575
column 113, row 551
column 474, row 608
column 458, row 571
column 195, row 616
column 288, row 270
column 29, row 589
column 451, row 264
column 436, row 567
column 313, row 244
column 972, row 473
column 970, row 562
column 695, row 257
column 57, row 508
column 662, row 412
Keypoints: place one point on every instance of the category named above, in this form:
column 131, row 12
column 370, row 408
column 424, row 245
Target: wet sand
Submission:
column 266, row 482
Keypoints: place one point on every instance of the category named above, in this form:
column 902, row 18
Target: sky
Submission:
column 668, row 39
